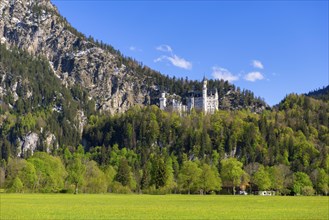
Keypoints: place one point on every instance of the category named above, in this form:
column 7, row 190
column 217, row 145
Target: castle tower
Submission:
column 204, row 96
column 163, row 101
column 216, row 99
column 190, row 104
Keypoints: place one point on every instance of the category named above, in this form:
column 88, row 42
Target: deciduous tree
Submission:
column 189, row 176
column 231, row 172
column 209, row 179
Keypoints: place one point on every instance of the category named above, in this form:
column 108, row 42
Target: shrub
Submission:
column 119, row 188
column 308, row 191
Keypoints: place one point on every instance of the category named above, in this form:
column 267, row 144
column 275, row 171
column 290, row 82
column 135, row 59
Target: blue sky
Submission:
column 272, row 48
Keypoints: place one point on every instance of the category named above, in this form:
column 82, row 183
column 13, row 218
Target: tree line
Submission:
column 77, row 173
column 146, row 150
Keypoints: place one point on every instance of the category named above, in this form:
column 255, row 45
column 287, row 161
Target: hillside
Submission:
column 75, row 113
column 37, row 27
column 151, row 151
column 54, row 78
column 113, row 81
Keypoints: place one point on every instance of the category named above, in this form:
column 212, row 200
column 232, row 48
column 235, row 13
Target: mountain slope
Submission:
column 37, row 27
column 52, row 77
column 113, row 81
column 36, row 111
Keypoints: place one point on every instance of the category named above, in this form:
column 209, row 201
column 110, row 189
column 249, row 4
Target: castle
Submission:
column 208, row 103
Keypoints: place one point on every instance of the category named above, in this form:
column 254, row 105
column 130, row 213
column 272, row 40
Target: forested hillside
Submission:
column 71, row 120
column 146, row 150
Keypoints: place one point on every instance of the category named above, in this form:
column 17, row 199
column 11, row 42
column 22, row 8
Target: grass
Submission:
column 112, row 206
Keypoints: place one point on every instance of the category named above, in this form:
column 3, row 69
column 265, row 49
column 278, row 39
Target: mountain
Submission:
column 37, row 27
column 53, row 78
column 113, row 81
column 60, row 93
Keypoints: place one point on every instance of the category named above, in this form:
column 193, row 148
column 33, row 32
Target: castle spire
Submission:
column 163, row 101
column 204, row 96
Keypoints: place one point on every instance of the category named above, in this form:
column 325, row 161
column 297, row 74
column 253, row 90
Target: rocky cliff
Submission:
column 36, row 26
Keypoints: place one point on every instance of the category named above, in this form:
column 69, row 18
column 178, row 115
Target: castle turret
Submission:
column 216, row 100
column 190, row 103
column 204, row 96
column 216, row 94
column 163, row 101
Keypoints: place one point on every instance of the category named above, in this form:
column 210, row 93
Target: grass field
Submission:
column 112, row 206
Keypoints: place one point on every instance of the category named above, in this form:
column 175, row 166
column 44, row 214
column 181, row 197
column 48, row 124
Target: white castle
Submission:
column 208, row 103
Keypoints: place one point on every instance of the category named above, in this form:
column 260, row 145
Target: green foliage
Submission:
column 209, row 179
column 322, row 94
column 262, row 179
column 21, row 171
column 320, row 180
column 189, row 176
column 16, row 186
column 110, row 174
column 307, row 191
column 76, row 171
column 119, row 188
column 95, row 180
column 280, row 176
column 231, row 172
column 124, row 175
column 145, row 149
column 50, row 172
column 44, row 105
column 302, row 184
column 159, row 172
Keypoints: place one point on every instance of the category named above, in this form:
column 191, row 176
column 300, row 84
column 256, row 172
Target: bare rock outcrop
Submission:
column 36, row 26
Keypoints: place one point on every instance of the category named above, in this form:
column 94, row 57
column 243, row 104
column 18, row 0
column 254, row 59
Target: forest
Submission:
column 146, row 150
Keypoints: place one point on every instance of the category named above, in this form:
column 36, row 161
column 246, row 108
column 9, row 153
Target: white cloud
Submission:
column 164, row 48
column 224, row 74
column 176, row 61
column 173, row 58
column 135, row 49
column 159, row 59
column 257, row 64
column 180, row 62
column 253, row 76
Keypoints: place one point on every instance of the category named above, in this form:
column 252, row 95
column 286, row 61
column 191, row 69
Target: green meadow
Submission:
column 113, row 206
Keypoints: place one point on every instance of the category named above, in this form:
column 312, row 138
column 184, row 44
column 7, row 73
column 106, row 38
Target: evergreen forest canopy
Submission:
column 322, row 94
column 151, row 151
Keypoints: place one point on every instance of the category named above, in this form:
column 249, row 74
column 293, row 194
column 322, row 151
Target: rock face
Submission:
column 36, row 26
column 28, row 143
column 50, row 143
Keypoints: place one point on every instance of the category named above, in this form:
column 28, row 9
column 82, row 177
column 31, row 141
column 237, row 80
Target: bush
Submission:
column 160, row 191
column 308, row 191
column 16, row 186
column 119, row 188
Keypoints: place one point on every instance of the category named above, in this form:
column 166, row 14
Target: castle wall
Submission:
column 208, row 104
